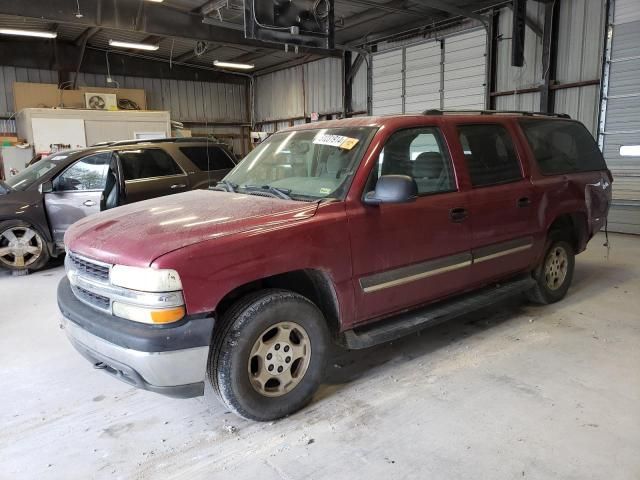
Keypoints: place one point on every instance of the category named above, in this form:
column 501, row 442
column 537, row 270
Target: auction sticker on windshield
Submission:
column 339, row 141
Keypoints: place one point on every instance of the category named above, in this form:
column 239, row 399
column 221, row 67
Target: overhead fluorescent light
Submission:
column 137, row 46
column 28, row 33
column 241, row 66
column 156, row 1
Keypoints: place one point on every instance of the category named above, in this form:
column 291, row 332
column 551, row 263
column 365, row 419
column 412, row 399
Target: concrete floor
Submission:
column 519, row 391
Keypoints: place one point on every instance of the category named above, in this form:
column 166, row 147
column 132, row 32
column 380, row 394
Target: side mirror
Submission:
column 46, row 187
column 393, row 189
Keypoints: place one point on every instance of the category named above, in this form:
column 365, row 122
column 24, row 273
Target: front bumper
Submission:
column 167, row 360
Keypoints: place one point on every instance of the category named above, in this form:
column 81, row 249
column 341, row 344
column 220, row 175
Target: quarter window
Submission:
column 562, row 146
column 147, row 163
column 420, row 154
column 206, row 159
column 88, row 173
column 490, row 155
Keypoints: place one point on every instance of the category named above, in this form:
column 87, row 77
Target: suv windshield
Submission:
column 30, row 175
column 306, row 164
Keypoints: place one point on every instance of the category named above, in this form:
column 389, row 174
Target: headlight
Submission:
column 145, row 279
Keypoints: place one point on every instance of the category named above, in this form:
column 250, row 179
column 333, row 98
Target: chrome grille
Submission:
column 89, row 268
column 98, row 301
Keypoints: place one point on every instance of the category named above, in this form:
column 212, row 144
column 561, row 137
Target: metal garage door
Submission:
column 622, row 119
column 465, row 68
column 387, row 80
column 448, row 73
column 423, row 72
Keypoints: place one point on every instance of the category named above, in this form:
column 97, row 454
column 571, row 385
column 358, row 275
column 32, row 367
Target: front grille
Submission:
column 89, row 268
column 91, row 298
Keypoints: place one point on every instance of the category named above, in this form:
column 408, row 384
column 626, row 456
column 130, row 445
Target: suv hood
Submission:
column 139, row 233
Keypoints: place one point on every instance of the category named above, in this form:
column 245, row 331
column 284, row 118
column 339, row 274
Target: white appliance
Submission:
column 101, row 101
column 47, row 127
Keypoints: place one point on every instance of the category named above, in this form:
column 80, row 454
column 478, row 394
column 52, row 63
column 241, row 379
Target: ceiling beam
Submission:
column 154, row 19
column 445, row 6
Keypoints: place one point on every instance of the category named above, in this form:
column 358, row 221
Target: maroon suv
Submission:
column 356, row 231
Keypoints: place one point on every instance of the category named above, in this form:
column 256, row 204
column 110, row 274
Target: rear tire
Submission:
column 268, row 354
column 554, row 274
column 22, row 246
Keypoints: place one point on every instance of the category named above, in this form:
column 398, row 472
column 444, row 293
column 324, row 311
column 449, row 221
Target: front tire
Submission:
column 268, row 354
column 554, row 274
column 22, row 247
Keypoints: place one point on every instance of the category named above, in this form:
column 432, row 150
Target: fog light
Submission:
column 148, row 315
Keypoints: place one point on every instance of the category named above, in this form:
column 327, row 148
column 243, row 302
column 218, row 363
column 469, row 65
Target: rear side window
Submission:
column 147, row 163
column 490, row 155
column 216, row 159
column 562, row 146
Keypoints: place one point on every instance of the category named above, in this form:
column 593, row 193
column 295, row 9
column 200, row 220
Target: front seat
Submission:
column 429, row 172
column 335, row 165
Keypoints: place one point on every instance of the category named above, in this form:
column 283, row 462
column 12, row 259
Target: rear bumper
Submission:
column 142, row 356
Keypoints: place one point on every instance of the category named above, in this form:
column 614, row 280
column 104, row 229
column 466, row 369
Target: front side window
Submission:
column 147, row 163
column 88, row 173
column 490, row 155
column 306, row 164
column 562, row 146
column 208, row 158
column 420, row 154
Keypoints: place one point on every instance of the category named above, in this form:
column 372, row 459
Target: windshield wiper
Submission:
column 227, row 186
column 275, row 191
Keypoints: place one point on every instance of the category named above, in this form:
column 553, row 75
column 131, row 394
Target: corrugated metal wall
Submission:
column 187, row 101
column 510, row 78
column 579, row 58
column 298, row 91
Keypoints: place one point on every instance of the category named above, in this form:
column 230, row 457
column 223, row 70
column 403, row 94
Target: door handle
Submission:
column 89, row 203
column 524, row 202
column 177, row 185
column 458, row 214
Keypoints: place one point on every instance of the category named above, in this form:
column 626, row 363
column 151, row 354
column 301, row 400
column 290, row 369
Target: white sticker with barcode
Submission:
column 339, row 141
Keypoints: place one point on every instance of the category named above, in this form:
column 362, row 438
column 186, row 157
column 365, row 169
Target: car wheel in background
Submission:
column 22, row 247
column 268, row 354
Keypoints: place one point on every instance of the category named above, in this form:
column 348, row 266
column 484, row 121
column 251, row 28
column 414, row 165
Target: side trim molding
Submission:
column 411, row 273
column 430, row 268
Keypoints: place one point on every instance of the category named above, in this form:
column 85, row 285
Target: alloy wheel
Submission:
column 279, row 359
column 20, row 247
column 556, row 267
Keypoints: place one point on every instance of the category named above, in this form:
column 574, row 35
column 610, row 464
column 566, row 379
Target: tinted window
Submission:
column 216, row 159
column 147, row 163
column 89, row 173
column 561, row 146
column 420, row 154
column 491, row 157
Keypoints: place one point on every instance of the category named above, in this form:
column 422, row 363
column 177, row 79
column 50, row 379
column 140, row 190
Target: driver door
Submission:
column 77, row 192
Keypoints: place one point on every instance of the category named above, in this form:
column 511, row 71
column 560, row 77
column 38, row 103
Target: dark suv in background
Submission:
column 41, row 202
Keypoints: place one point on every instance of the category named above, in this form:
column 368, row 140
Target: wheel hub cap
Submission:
column 279, row 359
column 556, row 268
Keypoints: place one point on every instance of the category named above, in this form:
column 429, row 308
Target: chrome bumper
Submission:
column 178, row 373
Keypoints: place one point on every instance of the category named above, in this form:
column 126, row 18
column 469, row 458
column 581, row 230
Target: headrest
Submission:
column 428, row 165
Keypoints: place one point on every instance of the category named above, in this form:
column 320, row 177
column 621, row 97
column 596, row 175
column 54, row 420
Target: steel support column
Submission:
column 549, row 54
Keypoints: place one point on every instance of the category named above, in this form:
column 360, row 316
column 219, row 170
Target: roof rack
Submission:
column 436, row 111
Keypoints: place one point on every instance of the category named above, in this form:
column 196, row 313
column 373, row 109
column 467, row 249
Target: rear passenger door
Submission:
column 212, row 164
column 150, row 173
column 502, row 202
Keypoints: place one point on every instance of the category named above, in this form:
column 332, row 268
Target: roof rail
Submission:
column 436, row 111
column 163, row 140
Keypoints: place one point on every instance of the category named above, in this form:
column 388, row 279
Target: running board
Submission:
column 406, row 323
